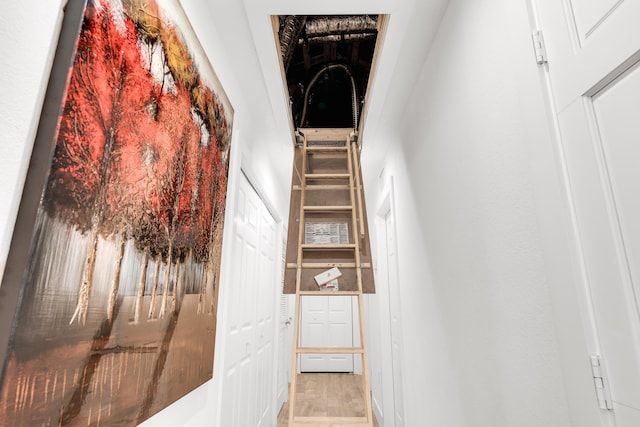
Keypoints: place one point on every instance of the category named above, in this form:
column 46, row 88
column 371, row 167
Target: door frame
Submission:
column 279, row 276
column 285, row 333
column 384, row 280
column 384, row 312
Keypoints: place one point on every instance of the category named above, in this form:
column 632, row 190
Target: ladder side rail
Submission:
column 354, row 231
column 359, row 189
column 296, row 327
column 365, row 365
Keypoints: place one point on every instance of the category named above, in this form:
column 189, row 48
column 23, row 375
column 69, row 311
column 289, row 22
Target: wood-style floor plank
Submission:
column 327, row 395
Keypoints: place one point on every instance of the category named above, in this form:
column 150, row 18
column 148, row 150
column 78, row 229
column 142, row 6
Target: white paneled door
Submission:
column 326, row 322
column 248, row 383
column 390, row 398
column 594, row 52
column 396, row 322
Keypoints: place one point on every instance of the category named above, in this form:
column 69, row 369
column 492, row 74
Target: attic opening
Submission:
column 327, row 62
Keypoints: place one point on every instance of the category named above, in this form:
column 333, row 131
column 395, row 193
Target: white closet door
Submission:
column 593, row 51
column 326, row 322
column 248, row 383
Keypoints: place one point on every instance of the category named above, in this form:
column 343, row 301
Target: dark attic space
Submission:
column 327, row 60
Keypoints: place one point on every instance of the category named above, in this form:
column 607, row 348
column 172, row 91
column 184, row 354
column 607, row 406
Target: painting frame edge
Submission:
column 11, row 287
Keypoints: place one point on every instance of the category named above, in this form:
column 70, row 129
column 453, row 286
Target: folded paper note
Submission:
column 327, row 276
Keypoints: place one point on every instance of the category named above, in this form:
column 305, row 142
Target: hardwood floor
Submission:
column 327, row 395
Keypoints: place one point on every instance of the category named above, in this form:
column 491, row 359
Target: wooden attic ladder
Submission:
column 318, row 143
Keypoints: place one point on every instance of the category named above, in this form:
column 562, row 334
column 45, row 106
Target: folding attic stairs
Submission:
column 327, row 229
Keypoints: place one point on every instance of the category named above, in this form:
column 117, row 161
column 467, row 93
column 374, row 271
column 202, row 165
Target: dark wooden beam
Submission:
column 307, row 57
column 355, row 52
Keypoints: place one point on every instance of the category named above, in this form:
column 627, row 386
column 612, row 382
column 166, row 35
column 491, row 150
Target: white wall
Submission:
column 29, row 31
column 480, row 344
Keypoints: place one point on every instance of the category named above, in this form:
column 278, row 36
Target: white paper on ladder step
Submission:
column 331, row 286
column 326, row 233
column 327, row 276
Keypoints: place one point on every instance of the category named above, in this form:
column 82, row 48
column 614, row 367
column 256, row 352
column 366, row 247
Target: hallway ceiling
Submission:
column 252, row 58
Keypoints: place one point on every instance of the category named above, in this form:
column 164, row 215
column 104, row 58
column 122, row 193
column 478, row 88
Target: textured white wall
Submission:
column 480, row 345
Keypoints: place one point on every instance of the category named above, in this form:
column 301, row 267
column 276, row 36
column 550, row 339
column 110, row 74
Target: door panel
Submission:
column 265, row 309
column 396, row 322
column 590, row 14
column 617, row 110
column 610, row 297
column 249, row 353
column 593, row 52
column 616, row 117
column 238, row 357
column 326, row 322
column 587, row 41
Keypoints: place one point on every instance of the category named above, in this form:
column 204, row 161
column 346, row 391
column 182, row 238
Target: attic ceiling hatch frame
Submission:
column 327, row 63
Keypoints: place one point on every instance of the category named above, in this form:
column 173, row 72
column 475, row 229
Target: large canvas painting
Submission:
column 109, row 297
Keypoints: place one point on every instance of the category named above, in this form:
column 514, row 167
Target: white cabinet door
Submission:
column 593, row 49
column 249, row 365
column 326, row 322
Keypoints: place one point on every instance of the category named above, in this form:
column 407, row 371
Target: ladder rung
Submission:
column 328, row 208
column 331, row 424
column 337, row 247
column 327, row 187
column 329, row 265
column 327, row 175
column 311, row 187
column 331, row 421
column 312, row 148
column 330, row 293
column 329, row 350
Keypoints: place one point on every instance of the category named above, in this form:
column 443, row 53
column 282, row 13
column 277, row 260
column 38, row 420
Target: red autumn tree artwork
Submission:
column 125, row 263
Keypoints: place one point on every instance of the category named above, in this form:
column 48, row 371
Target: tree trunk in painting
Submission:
column 203, row 289
column 84, row 293
column 178, row 181
column 210, row 265
column 137, row 312
column 154, row 291
column 115, row 282
column 167, row 282
column 177, row 286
